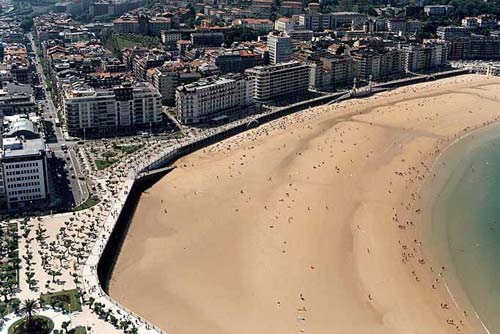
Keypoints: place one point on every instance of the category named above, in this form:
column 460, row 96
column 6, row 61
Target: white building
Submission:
column 24, row 165
column 100, row 112
column 426, row 56
column 280, row 48
column 470, row 22
column 212, row 98
column 274, row 81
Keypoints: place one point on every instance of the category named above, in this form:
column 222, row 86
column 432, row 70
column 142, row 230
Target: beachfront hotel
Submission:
column 107, row 111
column 280, row 80
column 212, row 98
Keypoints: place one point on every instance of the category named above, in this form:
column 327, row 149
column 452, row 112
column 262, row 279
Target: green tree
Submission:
column 65, row 326
column 28, row 309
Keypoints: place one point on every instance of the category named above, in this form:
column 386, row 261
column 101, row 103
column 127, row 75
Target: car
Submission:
column 81, row 177
column 72, row 176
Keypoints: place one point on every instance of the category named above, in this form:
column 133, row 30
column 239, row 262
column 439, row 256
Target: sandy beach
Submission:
column 306, row 224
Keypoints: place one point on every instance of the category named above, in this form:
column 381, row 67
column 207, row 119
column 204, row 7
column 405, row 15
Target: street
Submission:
column 75, row 176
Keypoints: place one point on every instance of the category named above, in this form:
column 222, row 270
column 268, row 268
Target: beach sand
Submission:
column 305, row 224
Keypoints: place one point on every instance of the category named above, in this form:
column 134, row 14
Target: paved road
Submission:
column 78, row 187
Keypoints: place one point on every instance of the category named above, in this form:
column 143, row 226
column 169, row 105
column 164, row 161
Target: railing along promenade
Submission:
column 90, row 282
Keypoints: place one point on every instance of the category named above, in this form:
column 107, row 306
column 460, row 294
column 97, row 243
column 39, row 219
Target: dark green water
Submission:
column 466, row 216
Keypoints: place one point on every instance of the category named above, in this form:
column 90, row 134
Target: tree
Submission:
column 28, row 309
column 65, row 325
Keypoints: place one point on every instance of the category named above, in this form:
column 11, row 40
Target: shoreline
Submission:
column 458, row 294
column 354, row 113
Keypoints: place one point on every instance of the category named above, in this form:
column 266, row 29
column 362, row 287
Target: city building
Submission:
column 213, row 99
column 341, row 69
column 487, row 21
column 100, row 112
column 450, row 32
column 378, row 64
column 424, row 57
column 316, row 21
column 170, row 37
column 255, row 24
column 280, row 47
column 278, row 81
column 113, row 8
column 230, row 60
column 142, row 24
column 142, row 64
column 24, row 165
column 437, row 10
column 213, row 39
column 16, row 99
column 167, row 78
column 470, row 22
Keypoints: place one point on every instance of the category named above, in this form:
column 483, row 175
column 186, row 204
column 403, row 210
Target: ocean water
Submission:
column 462, row 228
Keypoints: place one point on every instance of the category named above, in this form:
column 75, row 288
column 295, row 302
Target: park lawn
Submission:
column 129, row 149
column 90, row 202
column 69, row 300
column 109, row 154
column 103, row 164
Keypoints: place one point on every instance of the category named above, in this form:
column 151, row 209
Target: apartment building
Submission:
column 474, row 47
column 17, row 99
column 142, row 24
column 437, row 10
column 487, row 21
column 170, row 37
column 213, row 98
column 206, row 39
column 450, row 32
column 280, row 48
column 378, row 64
column 100, row 112
column 23, row 164
column 341, row 68
column 167, row 78
column 470, row 22
column 426, row 56
column 316, row 21
column 255, row 24
column 114, row 7
column 237, row 60
column 142, row 64
column 280, row 80
column 402, row 25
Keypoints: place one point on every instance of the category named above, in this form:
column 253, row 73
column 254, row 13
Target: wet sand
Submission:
column 305, row 224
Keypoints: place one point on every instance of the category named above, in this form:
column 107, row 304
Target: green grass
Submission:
column 68, row 300
column 132, row 40
column 128, row 149
column 90, row 202
column 103, row 164
column 109, row 154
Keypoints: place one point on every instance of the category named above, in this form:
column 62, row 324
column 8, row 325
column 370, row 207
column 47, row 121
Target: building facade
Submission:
column 101, row 112
column 280, row 48
column 275, row 81
column 208, row 99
